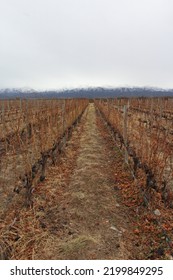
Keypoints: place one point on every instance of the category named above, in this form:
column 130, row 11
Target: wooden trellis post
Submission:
column 125, row 133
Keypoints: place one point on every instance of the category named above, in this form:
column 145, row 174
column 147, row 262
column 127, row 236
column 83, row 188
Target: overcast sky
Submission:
column 48, row 44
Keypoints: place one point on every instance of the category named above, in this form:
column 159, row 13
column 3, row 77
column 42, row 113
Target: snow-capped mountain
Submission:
column 98, row 92
column 17, row 93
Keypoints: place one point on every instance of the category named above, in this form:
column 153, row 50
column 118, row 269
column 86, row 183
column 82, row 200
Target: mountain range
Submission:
column 99, row 92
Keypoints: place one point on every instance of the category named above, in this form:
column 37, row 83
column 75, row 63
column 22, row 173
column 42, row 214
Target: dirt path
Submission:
column 92, row 205
column 77, row 214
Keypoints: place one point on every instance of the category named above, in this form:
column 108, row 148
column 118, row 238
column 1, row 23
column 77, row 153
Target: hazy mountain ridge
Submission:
column 98, row 92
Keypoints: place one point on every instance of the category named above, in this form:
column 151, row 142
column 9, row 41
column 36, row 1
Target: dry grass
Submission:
column 74, row 209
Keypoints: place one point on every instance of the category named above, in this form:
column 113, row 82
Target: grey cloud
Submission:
column 64, row 43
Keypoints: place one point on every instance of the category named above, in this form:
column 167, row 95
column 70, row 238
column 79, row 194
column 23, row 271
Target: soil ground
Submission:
column 80, row 211
column 77, row 213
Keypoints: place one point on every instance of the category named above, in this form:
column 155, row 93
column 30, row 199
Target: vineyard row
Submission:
column 32, row 134
column 146, row 138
